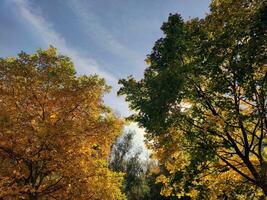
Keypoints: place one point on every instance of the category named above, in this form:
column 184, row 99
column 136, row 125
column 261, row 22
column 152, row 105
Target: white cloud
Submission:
column 138, row 139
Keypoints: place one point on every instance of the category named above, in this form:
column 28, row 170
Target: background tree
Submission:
column 55, row 131
column 202, row 102
column 125, row 158
column 139, row 174
column 121, row 150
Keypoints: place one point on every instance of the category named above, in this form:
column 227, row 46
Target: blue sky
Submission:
column 107, row 37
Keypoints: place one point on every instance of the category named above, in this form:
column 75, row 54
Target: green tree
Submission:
column 120, row 150
column 202, row 101
column 140, row 174
column 126, row 159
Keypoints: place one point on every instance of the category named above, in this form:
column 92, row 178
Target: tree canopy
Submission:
column 202, row 102
column 55, row 131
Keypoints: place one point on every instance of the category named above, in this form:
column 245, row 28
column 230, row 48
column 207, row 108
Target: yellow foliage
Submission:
column 55, row 131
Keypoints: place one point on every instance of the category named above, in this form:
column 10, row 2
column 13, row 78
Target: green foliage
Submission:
column 125, row 160
column 139, row 178
column 202, row 101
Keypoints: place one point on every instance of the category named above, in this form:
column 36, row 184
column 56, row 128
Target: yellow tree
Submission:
column 55, row 131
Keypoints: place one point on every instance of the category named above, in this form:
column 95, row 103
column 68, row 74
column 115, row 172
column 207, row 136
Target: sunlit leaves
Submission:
column 217, row 66
column 55, row 131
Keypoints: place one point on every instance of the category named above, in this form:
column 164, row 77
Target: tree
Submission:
column 120, row 151
column 125, row 159
column 55, row 131
column 202, row 101
column 139, row 174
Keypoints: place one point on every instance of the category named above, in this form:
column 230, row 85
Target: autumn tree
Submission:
column 202, row 102
column 55, row 131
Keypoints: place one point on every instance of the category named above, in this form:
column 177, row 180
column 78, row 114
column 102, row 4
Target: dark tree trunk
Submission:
column 33, row 196
column 264, row 188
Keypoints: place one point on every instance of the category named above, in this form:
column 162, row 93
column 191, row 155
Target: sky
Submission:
column 110, row 38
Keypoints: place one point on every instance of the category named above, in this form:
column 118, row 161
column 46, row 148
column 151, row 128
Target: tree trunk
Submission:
column 263, row 186
column 265, row 190
column 33, row 196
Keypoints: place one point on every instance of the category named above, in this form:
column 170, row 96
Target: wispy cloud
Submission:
column 94, row 29
column 84, row 65
column 50, row 37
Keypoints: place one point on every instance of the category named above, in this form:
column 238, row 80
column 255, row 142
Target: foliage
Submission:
column 202, row 102
column 55, row 131
column 120, row 151
column 140, row 174
column 126, row 160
